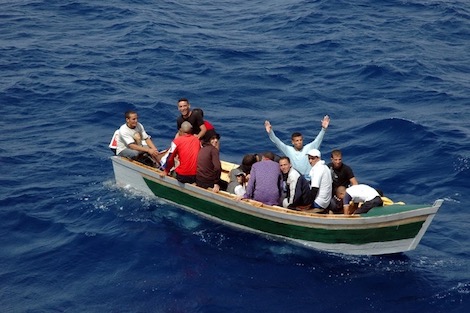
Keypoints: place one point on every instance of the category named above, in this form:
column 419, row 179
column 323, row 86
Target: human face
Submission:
column 183, row 107
column 312, row 160
column 336, row 160
column 132, row 120
column 284, row 165
column 298, row 143
column 215, row 142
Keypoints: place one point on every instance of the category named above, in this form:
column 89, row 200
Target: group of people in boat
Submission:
column 299, row 179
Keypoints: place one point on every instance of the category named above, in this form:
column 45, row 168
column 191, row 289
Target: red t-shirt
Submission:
column 186, row 147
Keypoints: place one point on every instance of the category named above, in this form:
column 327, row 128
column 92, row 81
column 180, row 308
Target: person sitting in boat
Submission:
column 194, row 118
column 209, row 167
column 264, row 184
column 210, row 129
column 245, row 167
column 342, row 175
column 321, row 182
column 238, row 183
column 356, row 194
column 296, row 188
column 129, row 141
column 297, row 151
column 186, row 147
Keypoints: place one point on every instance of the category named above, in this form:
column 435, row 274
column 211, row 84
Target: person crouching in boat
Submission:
column 296, row 188
column 186, row 147
column 356, row 194
column 131, row 135
column 209, row 167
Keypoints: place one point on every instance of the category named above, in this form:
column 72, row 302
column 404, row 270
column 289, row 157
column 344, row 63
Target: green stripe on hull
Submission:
column 347, row 236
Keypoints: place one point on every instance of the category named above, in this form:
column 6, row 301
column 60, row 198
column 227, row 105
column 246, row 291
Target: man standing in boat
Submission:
column 194, row 118
column 297, row 151
column 131, row 135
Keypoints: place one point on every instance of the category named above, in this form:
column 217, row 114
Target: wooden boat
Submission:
column 384, row 230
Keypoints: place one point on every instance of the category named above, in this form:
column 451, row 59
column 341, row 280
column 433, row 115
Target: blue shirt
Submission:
column 298, row 159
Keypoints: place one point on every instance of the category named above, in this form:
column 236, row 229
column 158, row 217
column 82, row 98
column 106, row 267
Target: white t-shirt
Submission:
column 321, row 178
column 126, row 136
column 361, row 193
column 240, row 190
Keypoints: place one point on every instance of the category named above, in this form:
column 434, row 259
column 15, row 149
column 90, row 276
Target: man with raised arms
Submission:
column 297, row 151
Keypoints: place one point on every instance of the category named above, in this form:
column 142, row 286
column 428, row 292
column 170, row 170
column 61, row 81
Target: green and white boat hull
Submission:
column 384, row 230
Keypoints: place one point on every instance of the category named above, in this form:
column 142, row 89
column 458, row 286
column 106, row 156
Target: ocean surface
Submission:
column 393, row 75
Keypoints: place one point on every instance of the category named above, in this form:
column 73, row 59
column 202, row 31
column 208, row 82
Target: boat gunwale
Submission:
column 277, row 213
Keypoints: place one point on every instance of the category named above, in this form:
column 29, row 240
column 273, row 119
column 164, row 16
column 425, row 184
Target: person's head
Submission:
column 268, row 155
column 297, row 141
column 199, row 111
column 284, row 164
column 184, row 107
column 314, row 156
column 336, row 158
column 186, row 128
column 131, row 118
column 341, row 192
column 241, row 177
column 247, row 162
column 214, row 140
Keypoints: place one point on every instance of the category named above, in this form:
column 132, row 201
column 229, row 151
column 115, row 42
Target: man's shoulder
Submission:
column 294, row 174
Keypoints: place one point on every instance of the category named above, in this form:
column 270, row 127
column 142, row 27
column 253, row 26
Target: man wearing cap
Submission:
column 186, row 147
column 321, row 181
column 297, row 151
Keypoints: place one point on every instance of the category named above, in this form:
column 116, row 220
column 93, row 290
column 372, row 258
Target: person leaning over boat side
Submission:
column 296, row 152
column 321, row 182
column 264, row 184
column 342, row 175
column 186, row 147
column 209, row 167
column 369, row 197
column 127, row 145
column 194, row 118
column 296, row 186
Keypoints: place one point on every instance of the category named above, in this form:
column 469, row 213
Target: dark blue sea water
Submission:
column 393, row 75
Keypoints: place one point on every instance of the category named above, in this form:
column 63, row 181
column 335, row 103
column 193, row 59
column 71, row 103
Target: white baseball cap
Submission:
column 314, row 153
